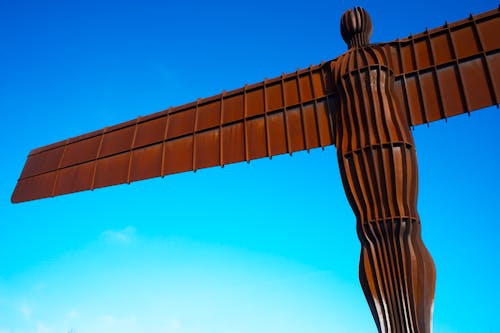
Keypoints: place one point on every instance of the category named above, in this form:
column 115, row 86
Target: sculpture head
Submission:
column 356, row 27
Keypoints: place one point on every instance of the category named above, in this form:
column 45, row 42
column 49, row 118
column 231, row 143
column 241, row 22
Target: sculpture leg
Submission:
column 396, row 271
column 397, row 276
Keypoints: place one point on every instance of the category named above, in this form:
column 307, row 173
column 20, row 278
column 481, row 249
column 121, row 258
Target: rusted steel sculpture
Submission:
column 378, row 164
column 364, row 102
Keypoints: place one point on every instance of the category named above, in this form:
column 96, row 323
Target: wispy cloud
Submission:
column 125, row 235
column 174, row 325
column 73, row 314
column 42, row 328
column 115, row 321
column 108, row 320
column 26, row 311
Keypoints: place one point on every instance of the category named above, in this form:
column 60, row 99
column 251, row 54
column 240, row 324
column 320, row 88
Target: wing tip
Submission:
column 14, row 198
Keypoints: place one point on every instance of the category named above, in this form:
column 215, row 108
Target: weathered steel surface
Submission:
column 449, row 70
column 282, row 115
column 440, row 73
column 378, row 164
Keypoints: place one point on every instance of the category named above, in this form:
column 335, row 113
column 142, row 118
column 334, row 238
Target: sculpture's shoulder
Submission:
column 358, row 58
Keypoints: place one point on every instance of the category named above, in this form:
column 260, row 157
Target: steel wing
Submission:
column 440, row 73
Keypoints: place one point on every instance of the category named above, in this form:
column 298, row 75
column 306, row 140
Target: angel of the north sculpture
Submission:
column 364, row 102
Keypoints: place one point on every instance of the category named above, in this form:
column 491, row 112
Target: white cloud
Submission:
column 42, row 328
column 174, row 325
column 73, row 314
column 26, row 311
column 39, row 286
column 125, row 235
column 113, row 321
column 109, row 320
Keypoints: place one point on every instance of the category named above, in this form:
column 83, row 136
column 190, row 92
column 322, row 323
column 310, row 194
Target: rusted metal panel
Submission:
column 431, row 99
column 305, row 87
column 488, row 30
column 42, row 162
column 111, row 170
column 36, row 187
column 81, row 151
column 208, row 115
column 278, row 134
column 310, row 126
column 257, row 143
column 494, row 66
column 233, row 146
column 324, row 123
column 150, row 132
column 274, row 96
column 291, row 91
column 255, row 101
column 207, row 149
column 74, row 179
column 448, row 78
column 178, row 155
column 181, row 123
column 146, row 163
column 115, row 142
column 296, row 129
column 233, row 108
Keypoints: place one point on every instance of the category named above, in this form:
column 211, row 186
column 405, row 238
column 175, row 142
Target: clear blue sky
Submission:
column 266, row 247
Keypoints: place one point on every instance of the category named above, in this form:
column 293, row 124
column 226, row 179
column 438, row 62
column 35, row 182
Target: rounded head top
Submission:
column 356, row 27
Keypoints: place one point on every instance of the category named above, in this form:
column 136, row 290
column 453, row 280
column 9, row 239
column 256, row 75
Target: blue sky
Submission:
column 266, row 247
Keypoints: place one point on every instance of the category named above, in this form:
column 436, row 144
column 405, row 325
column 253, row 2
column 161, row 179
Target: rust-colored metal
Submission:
column 449, row 70
column 365, row 102
column 378, row 165
column 282, row 115
column 440, row 73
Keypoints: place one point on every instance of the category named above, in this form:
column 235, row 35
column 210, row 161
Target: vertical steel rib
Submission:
column 266, row 122
column 131, row 150
column 221, row 142
column 484, row 60
column 164, row 143
column 245, row 123
column 460, row 82
column 417, row 81
column 404, row 87
column 58, row 170
column 285, row 116
column 104, row 130
column 315, row 109
column 435, row 75
column 195, row 130
column 304, row 129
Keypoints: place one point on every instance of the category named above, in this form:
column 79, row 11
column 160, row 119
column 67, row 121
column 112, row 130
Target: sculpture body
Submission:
column 378, row 164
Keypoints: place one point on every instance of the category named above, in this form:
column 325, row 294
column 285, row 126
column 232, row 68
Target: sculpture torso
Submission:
column 378, row 164
column 371, row 132
column 364, row 84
